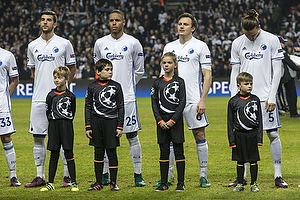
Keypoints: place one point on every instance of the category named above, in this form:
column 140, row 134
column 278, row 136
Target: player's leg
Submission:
column 136, row 157
column 67, row 178
column 105, row 176
column 10, row 155
column 98, row 167
column 180, row 165
column 171, row 164
column 202, row 152
column 38, row 127
column 113, row 168
column 164, row 166
column 276, row 153
column 54, row 156
column 130, row 127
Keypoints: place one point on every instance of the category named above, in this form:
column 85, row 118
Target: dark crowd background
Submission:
column 153, row 22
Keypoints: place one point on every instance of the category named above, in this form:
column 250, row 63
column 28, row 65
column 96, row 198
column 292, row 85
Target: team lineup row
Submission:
column 119, row 57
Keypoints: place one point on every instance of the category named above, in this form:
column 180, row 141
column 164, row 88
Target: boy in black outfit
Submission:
column 168, row 101
column 61, row 107
column 104, row 117
column 245, row 130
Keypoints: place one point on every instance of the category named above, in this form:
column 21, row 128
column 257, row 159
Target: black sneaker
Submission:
column 95, row 186
column 162, row 187
column 180, row 187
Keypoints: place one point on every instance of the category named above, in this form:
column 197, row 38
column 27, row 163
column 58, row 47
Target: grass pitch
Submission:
column 221, row 170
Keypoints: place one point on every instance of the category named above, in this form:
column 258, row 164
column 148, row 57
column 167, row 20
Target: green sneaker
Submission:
column 74, row 187
column 204, row 182
column 254, row 187
column 238, row 188
column 170, row 182
column 138, row 180
column 158, row 183
column 105, row 179
column 48, row 187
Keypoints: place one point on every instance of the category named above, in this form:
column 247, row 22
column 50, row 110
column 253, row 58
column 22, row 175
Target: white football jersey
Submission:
column 8, row 68
column 45, row 56
column 255, row 57
column 126, row 55
column 192, row 57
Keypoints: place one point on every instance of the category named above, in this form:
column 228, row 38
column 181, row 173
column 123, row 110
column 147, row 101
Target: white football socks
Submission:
column 10, row 156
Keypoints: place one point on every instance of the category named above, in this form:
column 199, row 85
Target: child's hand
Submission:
column 119, row 133
column 88, row 134
column 170, row 123
column 163, row 125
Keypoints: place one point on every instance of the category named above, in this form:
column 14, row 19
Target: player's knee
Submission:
column 199, row 134
column 134, row 140
column 273, row 135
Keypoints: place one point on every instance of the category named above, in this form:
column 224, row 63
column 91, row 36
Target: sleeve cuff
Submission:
column 120, row 127
column 173, row 121
column 232, row 146
column 160, row 121
column 88, row 127
column 259, row 144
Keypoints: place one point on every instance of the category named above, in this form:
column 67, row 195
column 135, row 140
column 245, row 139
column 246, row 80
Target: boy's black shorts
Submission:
column 104, row 132
column 60, row 133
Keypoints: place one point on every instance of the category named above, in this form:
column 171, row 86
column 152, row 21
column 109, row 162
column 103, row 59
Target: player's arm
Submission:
column 201, row 107
column 230, row 133
column 270, row 104
column 87, row 112
column 13, row 85
column 260, row 125
column 234, row 72
column 72, row 74
column 138, row 60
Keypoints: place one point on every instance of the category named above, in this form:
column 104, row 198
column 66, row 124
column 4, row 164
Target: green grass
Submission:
column 221, row 170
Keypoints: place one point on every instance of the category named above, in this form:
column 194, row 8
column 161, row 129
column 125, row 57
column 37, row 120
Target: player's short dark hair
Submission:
column 62, row 71
column 250, row 21
column 118, row 12
column 194, row 21
column 100, row 64
column 244, row 77
column 49, row 12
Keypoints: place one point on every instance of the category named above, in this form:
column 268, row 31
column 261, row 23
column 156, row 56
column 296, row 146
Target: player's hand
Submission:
column 88, row 134
column 201, row 107
column 119, row 133
column 269, row 106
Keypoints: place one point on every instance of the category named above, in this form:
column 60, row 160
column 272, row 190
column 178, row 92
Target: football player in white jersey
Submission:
column 8, row 71
column 259, row 53
column 126, row 54
column 194, row 60
column 45, row 54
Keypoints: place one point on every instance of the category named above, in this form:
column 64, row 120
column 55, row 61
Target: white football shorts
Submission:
column 6, row 124
column 131, row 118
column 38, row 119
column 270, row 119
column 192, row 119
